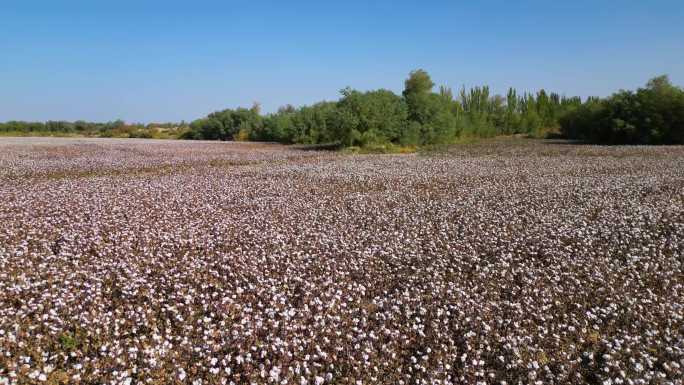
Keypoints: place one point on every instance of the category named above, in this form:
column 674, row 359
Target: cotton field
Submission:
column 506, row 262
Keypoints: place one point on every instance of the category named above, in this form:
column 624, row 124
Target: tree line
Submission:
column 421, row 115
column 653, row 114
column 113, row 129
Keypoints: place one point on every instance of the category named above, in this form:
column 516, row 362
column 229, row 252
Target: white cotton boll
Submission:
column 489, row 252
column 274, row 373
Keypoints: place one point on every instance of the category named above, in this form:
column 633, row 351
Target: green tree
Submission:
column 373, row 116
column 652, row 115
column 417, row 91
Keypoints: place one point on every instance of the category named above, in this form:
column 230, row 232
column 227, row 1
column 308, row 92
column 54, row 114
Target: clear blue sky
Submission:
column 145, row 61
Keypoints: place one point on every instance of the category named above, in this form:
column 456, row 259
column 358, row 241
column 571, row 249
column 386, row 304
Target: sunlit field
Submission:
column 499, row 262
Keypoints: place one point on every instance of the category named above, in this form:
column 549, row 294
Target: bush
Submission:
column 141, row 134
column 227, row 124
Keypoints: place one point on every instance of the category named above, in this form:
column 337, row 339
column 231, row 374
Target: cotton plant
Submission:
column 215, row 263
